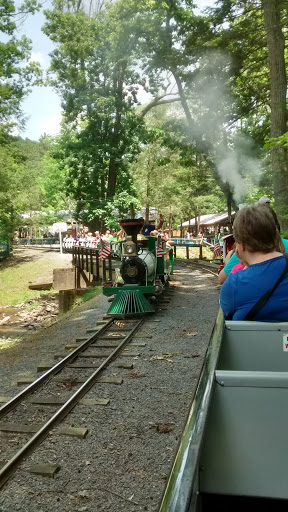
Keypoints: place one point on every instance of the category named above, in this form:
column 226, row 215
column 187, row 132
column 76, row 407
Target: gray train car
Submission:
column 234, row 448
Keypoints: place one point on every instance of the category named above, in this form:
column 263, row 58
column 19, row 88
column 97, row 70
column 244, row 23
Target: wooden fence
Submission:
column 4, row 250
column 86, row 259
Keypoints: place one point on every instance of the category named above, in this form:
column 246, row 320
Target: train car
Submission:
column 145, row 267
column 234, row 451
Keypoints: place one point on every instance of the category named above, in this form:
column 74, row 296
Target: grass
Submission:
column 194, row 253
column 15, row 277
column 14, row 281
column 90, row 293
column 9, row 342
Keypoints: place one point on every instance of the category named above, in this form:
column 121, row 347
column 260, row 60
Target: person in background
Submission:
column 231, row 258
column 113, row 236
column 258, row 243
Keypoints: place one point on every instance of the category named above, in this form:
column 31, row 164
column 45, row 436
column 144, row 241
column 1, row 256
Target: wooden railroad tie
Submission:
column 99, row 355
column 105, row 345
column 47, row 366
column 44, row 469
column 23, row 428
column 58, row 378
column 58, row 401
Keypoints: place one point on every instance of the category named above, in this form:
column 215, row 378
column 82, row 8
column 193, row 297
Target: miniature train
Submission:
column 146, row 264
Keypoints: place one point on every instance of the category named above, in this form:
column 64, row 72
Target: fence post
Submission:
column 104, row 271
column 86, row 258
column 200, row 255
column 110, row 266
column 187, row 252
column 91, row 263
column 97, row 264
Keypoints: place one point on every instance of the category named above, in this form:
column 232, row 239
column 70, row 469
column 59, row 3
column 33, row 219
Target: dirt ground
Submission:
column 123, row 463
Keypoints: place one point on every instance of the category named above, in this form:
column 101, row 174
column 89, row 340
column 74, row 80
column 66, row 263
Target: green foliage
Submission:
column 275, row 142
column 16, row 72
column 32, row 184
column 214, row 71
column 102, row 131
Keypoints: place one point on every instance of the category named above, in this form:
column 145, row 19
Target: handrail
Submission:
column 181, row 490
column 38, row 241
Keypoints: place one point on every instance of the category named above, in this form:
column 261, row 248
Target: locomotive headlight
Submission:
column 129, row 248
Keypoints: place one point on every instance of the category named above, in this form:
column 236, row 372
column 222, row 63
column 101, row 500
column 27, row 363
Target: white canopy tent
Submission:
column 208, row 219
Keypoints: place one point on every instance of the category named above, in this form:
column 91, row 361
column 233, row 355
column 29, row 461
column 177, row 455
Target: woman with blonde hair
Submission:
column 263, row 285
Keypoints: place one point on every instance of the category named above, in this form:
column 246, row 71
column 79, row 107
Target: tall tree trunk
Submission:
column 147, row 213
column 170, row 224
column 113, row 163
column 278, row 90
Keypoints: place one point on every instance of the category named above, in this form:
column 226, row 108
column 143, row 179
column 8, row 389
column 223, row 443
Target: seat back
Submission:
column 254, row 346
column 245, row 448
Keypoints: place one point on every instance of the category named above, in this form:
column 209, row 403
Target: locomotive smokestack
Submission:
column 132, row 227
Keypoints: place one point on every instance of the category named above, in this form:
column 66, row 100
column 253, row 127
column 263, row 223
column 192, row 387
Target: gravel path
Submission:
column 124, row 462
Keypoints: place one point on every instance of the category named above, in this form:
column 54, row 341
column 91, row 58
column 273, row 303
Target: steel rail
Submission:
column 200, row 265
column 52, row 371
column 181, row 490
column 12, row 464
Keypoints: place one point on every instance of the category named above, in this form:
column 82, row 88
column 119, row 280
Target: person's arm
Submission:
column 227, row 269
column 227, row 302
column 228, row 256
column 222, row 276
column 161, row 221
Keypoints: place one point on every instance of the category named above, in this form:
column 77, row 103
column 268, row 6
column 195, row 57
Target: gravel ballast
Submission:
column 124, row 461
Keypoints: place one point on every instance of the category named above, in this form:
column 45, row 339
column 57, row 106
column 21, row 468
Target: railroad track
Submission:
column 201, row 265
column 83, row 367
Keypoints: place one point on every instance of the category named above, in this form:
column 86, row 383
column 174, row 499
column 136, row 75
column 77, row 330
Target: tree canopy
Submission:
column 213, row 131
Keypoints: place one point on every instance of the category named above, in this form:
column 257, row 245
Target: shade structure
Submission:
column 130, row 303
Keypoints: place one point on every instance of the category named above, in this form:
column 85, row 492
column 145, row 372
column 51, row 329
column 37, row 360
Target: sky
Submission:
column 43, row 106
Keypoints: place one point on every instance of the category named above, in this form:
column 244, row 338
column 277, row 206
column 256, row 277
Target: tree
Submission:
column 278, row 94
column 169, row 176
column 256, row 39
column 102, row 130
column 17, row 73
column 170, row 41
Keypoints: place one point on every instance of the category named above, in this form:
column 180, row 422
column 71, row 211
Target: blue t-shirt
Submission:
column 242, row 290
column 234, row 260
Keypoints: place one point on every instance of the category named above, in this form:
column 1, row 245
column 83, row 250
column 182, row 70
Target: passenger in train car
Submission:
column 239, row 266
column 258, row 243
column 147, row 228
column 121, row 235
column 231, row 258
